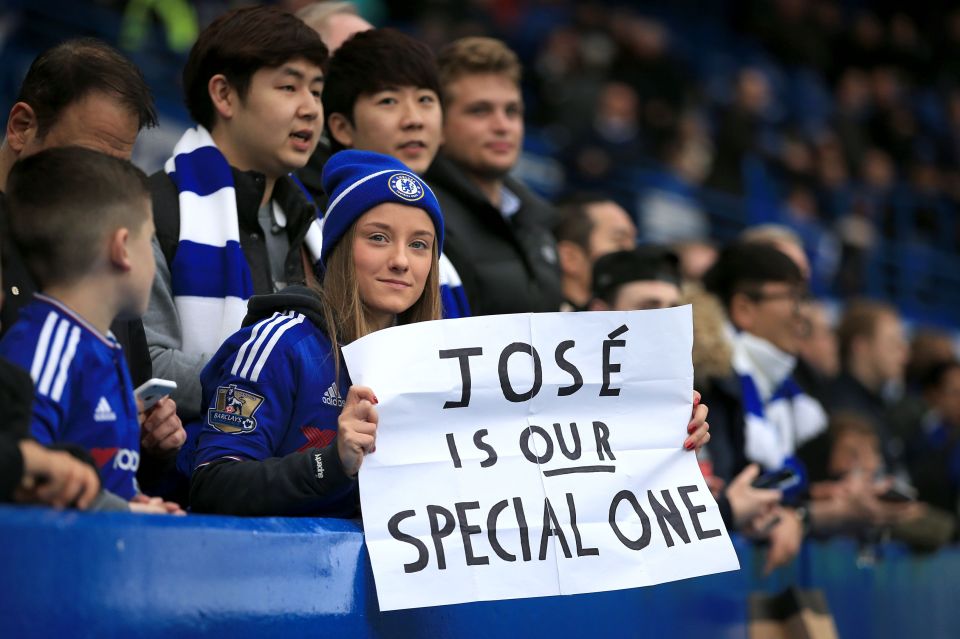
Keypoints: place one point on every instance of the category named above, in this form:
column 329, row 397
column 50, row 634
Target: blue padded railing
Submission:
column 120, row 575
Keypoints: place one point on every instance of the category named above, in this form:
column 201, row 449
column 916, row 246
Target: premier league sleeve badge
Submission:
column 235, row 410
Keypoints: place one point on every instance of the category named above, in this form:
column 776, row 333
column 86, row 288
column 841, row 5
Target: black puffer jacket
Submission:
column 507, row 266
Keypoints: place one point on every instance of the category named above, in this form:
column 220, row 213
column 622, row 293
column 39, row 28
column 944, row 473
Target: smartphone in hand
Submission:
column 898, row 494
column 153, row 390
column 777, row 480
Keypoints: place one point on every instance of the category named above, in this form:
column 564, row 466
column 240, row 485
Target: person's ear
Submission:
column 341, row 129
column 859, row 347
column 119, row 249
column 223, row 96
column 573, row 259
column 743, row 311
column 22, row 126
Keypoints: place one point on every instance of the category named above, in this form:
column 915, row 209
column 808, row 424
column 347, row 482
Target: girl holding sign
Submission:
column 281, row 436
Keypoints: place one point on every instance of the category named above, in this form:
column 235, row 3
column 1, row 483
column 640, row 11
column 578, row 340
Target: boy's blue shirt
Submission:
column 82, row 389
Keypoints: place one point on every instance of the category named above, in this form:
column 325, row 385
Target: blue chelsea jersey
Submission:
column 82, row 389
column 271, row 389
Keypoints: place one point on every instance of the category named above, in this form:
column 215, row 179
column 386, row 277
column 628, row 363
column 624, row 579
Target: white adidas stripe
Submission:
column 43, row 343
column 257, row 351
column 65, row 362
column 257, row 347
column 53, row 360
column 254, row 334
column 277, row 334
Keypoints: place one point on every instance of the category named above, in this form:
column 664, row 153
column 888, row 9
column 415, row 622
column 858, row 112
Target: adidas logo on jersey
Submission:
column 103, row 412
column 331, row 397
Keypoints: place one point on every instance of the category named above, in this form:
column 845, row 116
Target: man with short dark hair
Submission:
column 497, row 230
column 82, row 92
column 590, row 227
column 381, row 94
column 230, row 222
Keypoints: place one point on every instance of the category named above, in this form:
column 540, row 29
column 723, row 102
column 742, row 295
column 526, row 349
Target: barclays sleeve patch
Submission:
column 235, row 410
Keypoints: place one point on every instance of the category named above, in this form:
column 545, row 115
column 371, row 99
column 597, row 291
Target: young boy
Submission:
column 82, row 220
column 28, row 471
column 382, row 94
column 230, row 222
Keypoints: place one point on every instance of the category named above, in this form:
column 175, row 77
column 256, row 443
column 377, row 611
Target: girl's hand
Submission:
column 698, row 426
column 357, row 431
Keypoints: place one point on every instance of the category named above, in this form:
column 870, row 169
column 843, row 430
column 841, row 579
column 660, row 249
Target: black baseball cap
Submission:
column 644, row 263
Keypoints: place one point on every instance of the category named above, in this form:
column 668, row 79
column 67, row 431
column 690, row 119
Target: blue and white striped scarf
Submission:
column 452, row 297
column 779, row 416
column 210, row 276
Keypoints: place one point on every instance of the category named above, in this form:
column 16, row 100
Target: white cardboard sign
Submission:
column 531, row 455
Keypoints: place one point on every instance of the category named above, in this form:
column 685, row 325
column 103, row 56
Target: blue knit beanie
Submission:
column 357, row 181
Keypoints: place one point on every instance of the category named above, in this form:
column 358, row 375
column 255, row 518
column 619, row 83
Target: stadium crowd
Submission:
column 265, row 243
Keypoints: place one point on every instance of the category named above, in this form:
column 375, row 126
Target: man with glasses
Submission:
column 766, row 416
column 762, row 291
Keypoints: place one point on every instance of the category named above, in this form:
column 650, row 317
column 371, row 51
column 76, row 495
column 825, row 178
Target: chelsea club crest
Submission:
column 405, row 186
